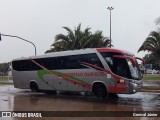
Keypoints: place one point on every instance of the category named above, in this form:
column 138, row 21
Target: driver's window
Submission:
column 122, row 67
column 109, row 60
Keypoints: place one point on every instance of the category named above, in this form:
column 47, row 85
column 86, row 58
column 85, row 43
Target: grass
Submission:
column 5, row 77
column 151, row 77
column 151, row 87
column 4, row 80
column 6, row 83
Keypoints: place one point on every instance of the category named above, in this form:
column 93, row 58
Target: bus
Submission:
column 98, row 70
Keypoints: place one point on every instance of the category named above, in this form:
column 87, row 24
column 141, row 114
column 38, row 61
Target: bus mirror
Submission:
column 128, row 58
column 141, row 60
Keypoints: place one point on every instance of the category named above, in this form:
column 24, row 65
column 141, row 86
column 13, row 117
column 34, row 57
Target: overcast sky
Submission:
column 40, row 20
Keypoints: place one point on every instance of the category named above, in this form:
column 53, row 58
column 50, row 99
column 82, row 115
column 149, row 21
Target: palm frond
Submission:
column 152, row 44
column 157, row 21
column 78, row 39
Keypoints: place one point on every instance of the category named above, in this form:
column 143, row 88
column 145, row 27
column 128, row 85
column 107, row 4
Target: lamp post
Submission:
column 21, row 39
column 110, row 9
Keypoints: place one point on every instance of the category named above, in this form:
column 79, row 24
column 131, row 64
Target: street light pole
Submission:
column 110, row 8
column 21, row 39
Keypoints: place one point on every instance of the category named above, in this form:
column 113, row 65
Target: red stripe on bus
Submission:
column 65, row 78
column 113, row 50
column 112, row 89
column 107, row 71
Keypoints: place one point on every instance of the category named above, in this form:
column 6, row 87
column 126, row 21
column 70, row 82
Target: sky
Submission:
column 40, row 20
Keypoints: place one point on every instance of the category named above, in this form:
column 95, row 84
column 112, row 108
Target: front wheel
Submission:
column 34, row 87
column 99, row 90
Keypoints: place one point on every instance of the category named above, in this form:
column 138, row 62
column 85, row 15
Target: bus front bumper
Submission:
column 135, row 86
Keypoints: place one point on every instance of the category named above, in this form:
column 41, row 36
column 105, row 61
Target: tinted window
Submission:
column 55, row 63
column 118, row 66
column 24, row 65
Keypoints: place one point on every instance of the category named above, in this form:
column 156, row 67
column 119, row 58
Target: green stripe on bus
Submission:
column 41, row 73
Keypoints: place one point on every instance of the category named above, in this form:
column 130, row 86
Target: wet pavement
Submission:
column 145, row 83
column 12, row 99
column 151, row 83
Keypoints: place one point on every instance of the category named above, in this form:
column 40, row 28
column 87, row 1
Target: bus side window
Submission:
column 72, row 62
column 93, row 59
column 59, row 63
column 110, row 63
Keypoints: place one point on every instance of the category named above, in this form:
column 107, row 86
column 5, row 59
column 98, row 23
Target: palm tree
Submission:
column 152, row 59
column 157, row 21
column 152, row 44
column 96, row 40
column 78, row 39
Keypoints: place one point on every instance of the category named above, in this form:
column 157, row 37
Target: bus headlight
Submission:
column 134, row 91
column 135, row 85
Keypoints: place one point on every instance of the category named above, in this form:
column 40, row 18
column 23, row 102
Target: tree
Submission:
column 4, row 67
column 78, row 39
column 157, row 21
column 152, row 44
column 151, row 59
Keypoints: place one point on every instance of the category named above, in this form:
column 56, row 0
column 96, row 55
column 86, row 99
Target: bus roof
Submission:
column 74, row 52
column 114, row 51
column 61, row 53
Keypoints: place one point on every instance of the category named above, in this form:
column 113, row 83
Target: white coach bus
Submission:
column 98, row 70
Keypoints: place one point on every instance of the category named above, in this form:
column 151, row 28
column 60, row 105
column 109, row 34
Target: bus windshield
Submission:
column 122, row 66
column 135, row 72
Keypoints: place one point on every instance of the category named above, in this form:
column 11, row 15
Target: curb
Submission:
column 154, row 91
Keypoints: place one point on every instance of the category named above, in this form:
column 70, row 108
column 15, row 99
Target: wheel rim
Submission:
column 100, row 91
column 34, row 87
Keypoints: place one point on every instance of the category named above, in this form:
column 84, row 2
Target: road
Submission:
column 12, row 99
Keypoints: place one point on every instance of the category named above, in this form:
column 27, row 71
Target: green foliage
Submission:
column 4, row 67
column 79, row 39
column 5, row 78
column 152, row 44
column 151, row 87
column 6, row 83
column 152, row 59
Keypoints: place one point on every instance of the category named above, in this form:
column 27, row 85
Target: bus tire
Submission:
column 112, row 95
column 100, row 90
column 34, row 87
column 49, row 92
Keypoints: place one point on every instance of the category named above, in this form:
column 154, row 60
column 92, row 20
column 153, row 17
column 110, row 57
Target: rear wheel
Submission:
column 112, row 95
column 51, row 92
column 34, row 87
column 99, row 90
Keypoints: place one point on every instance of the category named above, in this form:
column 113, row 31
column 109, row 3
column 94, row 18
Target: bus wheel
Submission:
column 99, row 90
column 112, row 95
column 54, row 92
column 34, row 87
